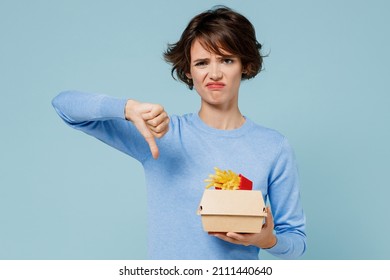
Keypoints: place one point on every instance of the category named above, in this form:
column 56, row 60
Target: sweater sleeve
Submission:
column 103, row 117
column 286, row 206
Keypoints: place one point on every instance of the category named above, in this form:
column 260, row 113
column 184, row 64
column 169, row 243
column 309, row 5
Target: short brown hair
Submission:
column 217, row 29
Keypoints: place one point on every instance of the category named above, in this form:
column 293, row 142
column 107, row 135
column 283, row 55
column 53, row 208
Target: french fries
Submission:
column 224, row 180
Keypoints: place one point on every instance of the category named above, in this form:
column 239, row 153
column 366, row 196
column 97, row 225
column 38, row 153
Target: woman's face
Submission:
column 216, row 78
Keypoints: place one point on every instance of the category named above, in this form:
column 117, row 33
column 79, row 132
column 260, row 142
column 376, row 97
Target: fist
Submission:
column 151, row 120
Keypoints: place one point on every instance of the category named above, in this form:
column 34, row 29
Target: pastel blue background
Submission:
column 65, row 195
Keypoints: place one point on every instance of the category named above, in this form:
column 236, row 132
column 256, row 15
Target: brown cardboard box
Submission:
column 232, row 211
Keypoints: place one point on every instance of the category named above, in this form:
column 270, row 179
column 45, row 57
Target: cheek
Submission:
column 236, row 78
column 197, row 76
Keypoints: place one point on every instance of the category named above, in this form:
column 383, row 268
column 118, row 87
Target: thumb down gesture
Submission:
column 151, row 121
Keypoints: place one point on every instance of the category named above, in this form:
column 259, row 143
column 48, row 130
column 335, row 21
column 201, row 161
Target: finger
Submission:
column 236, row 236
column 269, row 220
column 152, row 146
column 232, row 237
column 161, row 129
column 157, row 120
column 149, row 138
column 226, row 238
column 152, row 111
column 159, row 135
column 241, row 238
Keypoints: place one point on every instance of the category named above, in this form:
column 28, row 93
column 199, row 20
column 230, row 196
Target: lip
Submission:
column 215, row 85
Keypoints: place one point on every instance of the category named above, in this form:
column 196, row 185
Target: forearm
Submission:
column 77, row 107
column 113, row 122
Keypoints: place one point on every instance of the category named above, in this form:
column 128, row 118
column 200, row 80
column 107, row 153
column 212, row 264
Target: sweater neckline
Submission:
column 200, row 124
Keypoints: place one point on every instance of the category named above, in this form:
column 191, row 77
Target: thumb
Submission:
column 269, row 220
column 149, row 138
column 152, row 144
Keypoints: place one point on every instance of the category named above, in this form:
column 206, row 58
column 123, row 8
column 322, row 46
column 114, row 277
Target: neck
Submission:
column 221, row 118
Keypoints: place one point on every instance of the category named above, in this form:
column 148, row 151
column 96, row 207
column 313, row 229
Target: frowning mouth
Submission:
column 215, row 85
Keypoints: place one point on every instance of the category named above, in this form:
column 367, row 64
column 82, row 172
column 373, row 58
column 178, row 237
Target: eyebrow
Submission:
column 228, row 56
column 200, row 60
column 218, row 57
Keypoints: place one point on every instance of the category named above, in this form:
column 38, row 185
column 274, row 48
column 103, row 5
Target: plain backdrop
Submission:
column 325, row 85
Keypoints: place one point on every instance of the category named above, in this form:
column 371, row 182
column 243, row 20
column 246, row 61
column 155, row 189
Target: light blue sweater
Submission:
column 175, row 181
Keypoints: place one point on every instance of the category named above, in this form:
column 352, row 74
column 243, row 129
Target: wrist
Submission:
column 129, row 109
column 271, row 243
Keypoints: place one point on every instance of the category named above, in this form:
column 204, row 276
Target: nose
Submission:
column 215, row 71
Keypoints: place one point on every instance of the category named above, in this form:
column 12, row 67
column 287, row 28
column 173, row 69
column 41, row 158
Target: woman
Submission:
column 216, row 51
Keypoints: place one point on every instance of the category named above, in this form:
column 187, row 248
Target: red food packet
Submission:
column 245, row 183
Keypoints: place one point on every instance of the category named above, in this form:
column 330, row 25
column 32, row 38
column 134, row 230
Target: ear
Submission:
column 189, row 76
column 246, row 69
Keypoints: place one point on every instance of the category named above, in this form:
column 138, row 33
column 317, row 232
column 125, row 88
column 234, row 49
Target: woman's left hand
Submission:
column 265, row 239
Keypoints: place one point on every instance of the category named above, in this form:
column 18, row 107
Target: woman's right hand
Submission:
column 151, row 120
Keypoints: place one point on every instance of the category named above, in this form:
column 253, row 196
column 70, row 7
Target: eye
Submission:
column 227, row 61
column 201, row 63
